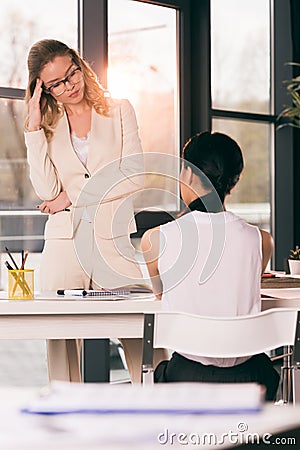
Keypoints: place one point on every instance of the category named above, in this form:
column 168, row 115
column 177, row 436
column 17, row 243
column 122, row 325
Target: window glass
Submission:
column 240, row 48
column 19, row 228
column 15, row 187
column 24, row 22
column 142, row 66
column 250, row 198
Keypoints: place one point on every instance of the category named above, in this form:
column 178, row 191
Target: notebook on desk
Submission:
column 105, row 293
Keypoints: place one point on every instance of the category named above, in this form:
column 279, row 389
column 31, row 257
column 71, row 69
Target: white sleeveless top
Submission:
column 210, row 264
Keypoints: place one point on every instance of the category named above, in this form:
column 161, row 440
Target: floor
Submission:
column 24, row 363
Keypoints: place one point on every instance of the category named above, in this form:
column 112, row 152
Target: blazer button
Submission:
column 86, row 175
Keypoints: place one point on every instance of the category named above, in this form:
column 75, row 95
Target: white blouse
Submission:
column 81, row 146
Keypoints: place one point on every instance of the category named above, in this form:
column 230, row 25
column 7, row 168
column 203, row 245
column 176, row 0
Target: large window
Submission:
column 250, row 199
column 22, row 24
column 241, row 97
column 240, row 36
column 142, row 66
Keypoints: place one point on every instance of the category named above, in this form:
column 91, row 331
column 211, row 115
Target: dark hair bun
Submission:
column 218, row 157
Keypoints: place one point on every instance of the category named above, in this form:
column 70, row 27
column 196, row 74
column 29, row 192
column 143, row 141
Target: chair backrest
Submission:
column 225, row 337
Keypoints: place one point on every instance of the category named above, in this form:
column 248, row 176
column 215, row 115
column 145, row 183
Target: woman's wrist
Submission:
column 32, row 128
column 32, row 125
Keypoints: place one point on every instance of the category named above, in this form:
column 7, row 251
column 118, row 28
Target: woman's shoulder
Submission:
column 117, row 103
column 120, row 106
column 150, row 241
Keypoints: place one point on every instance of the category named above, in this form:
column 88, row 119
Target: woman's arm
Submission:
column 131, row 161
column 43, row 175
column 60, row 203
column 150, row 247
column 267, row 248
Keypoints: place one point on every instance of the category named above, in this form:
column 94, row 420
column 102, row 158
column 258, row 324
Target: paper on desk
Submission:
column 286, row 275
column 170, row 398
column 282, row 293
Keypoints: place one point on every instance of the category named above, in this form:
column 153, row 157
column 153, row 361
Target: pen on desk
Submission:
column 77, row 292
column 94, row 293
column 12, row 259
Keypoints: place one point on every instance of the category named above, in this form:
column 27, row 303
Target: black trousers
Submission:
column 257, row 369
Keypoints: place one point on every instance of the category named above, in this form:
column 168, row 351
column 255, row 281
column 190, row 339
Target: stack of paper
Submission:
column 170, row 398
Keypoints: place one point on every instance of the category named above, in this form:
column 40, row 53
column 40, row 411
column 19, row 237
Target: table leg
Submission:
column 96, row 360
column 296, row 385
column 286, row 375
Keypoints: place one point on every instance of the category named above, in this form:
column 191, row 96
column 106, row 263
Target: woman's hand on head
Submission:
column 60, row 203
column 34, row 108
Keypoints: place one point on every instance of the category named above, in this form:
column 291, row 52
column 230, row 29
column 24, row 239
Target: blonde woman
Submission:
column 78, row 141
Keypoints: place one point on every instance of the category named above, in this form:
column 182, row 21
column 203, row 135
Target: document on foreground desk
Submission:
column 164, row 398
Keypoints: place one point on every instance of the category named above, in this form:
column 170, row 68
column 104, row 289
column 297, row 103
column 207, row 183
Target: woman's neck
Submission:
column 80, row 120
column 78, row 109
column 209, row 202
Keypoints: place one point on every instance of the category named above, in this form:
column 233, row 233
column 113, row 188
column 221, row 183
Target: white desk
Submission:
column 135, row 432
column 51, row 317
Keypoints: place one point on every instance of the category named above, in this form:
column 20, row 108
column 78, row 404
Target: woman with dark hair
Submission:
column 209, row 261
column 85, row 160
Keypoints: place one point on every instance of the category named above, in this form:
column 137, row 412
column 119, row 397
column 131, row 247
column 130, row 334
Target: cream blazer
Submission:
column 104, row 186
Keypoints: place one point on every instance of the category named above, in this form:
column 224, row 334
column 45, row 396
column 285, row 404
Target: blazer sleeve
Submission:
column 131, row 161
column 42, row 171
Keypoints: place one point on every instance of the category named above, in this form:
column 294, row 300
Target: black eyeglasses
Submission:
column 60, row 87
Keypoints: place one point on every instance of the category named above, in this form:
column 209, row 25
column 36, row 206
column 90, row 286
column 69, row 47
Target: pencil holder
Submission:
column 21, row 284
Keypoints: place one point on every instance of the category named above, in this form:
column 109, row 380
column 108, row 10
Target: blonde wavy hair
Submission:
column 40, row 54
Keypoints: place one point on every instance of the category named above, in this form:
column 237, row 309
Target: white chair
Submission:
column 222, row 337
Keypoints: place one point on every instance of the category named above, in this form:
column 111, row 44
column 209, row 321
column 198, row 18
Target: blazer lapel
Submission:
column 105, row 136
column 65, row 150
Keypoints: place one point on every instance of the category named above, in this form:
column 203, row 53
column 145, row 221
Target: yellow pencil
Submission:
column 21, row 283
